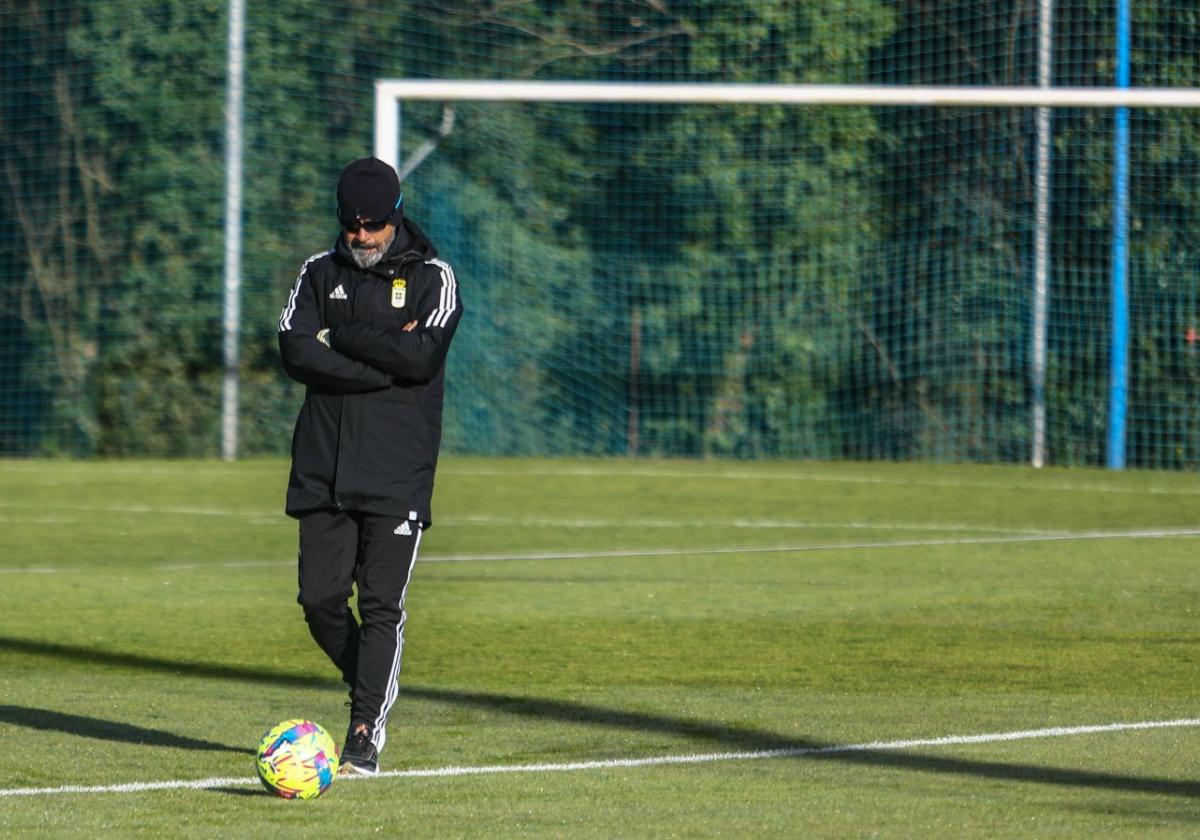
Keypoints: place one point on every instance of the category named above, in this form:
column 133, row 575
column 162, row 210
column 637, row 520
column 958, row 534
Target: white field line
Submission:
column 1157, row 534
column 785, row 549
column 623, row 763
column 133, row 468
column 737, row 524
column 143, row 510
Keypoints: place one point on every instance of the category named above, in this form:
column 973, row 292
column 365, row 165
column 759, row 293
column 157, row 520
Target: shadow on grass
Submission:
column 728, row 737
column 251, row 792
column 106, row 730
column 140, row 662
column 744, row 739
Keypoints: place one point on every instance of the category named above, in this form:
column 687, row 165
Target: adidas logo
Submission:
column 339, row 294
column 403, row 530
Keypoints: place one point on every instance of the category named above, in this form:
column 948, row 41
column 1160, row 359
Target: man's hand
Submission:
column 323, row 335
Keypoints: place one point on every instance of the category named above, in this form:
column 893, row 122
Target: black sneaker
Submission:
column 359, row 754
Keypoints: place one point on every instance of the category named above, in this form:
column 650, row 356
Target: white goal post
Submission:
column 390, row 93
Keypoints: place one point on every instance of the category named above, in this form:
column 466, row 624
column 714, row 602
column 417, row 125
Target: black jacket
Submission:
column 368, row 433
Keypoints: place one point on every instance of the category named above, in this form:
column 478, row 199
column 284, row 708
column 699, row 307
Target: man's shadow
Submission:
column 107, row 730
column 742, row 739
column 735, row 738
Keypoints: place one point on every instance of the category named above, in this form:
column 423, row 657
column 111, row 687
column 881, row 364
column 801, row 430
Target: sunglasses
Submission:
column 369, row 226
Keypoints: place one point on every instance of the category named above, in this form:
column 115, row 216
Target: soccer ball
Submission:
column 297, row 760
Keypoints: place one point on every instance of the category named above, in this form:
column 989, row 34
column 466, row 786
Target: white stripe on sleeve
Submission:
column 285, row 317
column 447, row 297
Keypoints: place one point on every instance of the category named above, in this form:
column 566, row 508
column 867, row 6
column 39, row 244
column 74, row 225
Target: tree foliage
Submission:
column 738, row 281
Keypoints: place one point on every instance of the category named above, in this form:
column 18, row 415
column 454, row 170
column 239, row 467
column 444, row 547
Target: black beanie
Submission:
column 369, row 190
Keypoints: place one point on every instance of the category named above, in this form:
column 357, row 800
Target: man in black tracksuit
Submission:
column 366, row 329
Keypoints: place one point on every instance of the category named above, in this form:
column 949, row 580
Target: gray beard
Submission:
column 367, row 257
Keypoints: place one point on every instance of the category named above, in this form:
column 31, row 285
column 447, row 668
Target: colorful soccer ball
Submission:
column 297, row 760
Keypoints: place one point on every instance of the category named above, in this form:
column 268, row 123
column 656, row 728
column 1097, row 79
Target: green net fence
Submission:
column 683, row 280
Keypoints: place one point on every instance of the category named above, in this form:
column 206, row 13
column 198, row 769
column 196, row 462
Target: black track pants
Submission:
column 376, row 554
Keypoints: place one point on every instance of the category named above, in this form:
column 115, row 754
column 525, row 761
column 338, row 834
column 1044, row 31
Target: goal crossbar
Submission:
column 390, row 92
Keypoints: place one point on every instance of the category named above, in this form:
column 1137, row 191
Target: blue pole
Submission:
column 1119, row 358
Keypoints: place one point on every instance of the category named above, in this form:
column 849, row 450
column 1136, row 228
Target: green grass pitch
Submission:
column 581, row 630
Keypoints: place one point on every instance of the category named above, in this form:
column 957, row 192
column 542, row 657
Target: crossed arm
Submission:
column 358, row 356
column 410, row 354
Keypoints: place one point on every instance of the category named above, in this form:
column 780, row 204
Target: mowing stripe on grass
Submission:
column 700, row 471
column 37, row 516
column 1156, row 534
column 622, row 763
column 848, row 478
